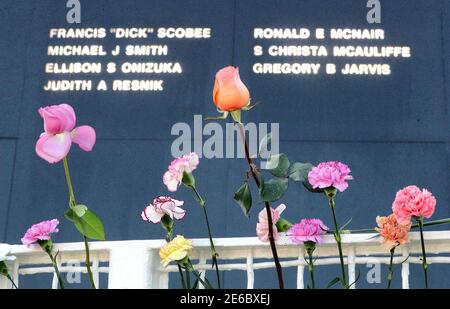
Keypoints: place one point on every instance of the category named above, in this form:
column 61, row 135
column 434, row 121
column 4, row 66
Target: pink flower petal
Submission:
column 53, row 148
column 85, row 137
column 58, row 118
column 149, row 214
column 40, row 231
column 171, row 181
column 179, row 213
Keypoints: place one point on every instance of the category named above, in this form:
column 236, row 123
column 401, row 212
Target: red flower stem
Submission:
column 255, row 175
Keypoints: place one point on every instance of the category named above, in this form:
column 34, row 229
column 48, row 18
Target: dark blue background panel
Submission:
column 117, row 180
column 7, row 152
column 392, row 130
column 379, row 170
column 407, row 105
column 14, row 42
column 131, row 114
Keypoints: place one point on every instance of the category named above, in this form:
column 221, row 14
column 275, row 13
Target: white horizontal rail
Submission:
column 136, row 263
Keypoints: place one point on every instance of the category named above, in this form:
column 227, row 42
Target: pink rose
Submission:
column 330, row 174
column 262, row 227
column 59, row 125
column 308, row 230
column 187, row 163
column 229, row 92
column 40, row 231
column 163, row 205
column 412, row 202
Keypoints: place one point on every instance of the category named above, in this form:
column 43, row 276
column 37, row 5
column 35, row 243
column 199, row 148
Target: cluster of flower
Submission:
column 230, row 95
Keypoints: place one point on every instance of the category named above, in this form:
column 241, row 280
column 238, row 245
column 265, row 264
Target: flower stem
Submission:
column 337, row 236
column 311, row 269
column 255, row 174
column 12, row 281
column 424, row 255
column 372, row 230
column 390, row 268
column 190, row 268
column 69, row 183
column 183, row 284
column 428, row 223
column 88, row 262
column 214, row 253
column 188, row 279
column 55, row 266
column 72, row 204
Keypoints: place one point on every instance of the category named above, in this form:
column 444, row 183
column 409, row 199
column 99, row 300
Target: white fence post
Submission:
column 133, row 266
column 4, row 283
column 405, row 268
column 13, row 268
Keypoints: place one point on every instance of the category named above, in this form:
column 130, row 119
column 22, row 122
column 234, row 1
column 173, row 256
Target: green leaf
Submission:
column 80, row 210
column 273, row 189
column 283, row 225
column 249, row 105
column 333, row 282
column 264, row 143
column 346, row 224
column 278, row 165
column 299, row 171
column 88, row 225
column 243, row 198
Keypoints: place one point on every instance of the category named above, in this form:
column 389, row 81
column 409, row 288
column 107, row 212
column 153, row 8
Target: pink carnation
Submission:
column 163, row 205
column 40, row 231
column 307, row 230
column 262, row 227
column 413, row 202
column 187, row 163
column 330, row 174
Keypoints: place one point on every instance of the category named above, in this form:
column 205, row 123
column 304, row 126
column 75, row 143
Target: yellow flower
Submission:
column 176, row 250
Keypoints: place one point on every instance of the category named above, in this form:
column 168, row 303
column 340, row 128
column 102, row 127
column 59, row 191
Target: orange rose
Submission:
column 393, row 233
column 230, row 93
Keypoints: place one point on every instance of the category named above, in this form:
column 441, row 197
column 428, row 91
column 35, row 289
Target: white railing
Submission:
column 136, row 263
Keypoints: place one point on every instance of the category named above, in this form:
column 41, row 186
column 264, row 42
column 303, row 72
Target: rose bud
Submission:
column 230, row 93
